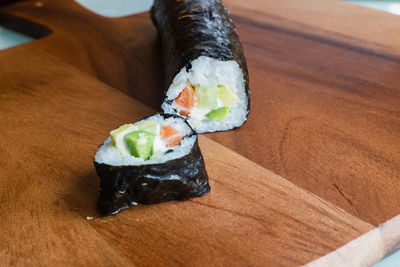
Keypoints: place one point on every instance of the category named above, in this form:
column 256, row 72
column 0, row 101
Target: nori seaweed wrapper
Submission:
column 189, row 29
column 177, row 179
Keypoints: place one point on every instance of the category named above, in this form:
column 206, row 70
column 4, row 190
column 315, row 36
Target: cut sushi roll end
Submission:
column 146, row 142
column 211, row 95
column 154, row 160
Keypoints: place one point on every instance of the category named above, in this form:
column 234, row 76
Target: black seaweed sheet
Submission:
column 177, row 179
column 189, row 29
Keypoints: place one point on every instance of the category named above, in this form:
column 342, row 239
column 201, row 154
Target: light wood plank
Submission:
column 53, row 117
column 324, row 81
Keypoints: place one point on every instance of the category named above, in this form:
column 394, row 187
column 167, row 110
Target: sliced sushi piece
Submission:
column 206, row 77
column 155, row 160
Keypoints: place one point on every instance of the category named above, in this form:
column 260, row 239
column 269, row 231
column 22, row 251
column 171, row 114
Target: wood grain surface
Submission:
column 121, row 52
column 325, row 102
column 324, row 119
column 50, row 187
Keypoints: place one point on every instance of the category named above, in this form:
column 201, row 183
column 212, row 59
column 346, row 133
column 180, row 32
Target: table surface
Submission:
column 316, row 165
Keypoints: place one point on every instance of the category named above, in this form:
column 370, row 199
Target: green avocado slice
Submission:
column 149, row 125
column 207, row 97
column 140, row 143
column 116, row 133
column 219, row 114
column 226, row 95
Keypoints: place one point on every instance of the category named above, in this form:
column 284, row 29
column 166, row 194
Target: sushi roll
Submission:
column 157, row 159
column 206, row 77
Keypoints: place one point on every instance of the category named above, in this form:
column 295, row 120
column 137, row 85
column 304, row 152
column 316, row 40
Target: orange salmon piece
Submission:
column 186, row 100
column 170, row 136
column 173, row 141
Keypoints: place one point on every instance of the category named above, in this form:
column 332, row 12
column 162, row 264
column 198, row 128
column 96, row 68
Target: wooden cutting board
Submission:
column 316, row 165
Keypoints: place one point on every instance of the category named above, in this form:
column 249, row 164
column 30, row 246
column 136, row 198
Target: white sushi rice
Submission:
column 210, row 72
column 110, row 155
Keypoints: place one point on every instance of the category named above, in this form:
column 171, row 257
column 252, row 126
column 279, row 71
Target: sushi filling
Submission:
column 211, row 95
column 205, row 102
column 149, row 141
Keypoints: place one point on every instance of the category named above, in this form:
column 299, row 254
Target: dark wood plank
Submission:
column 372, row 27
column 326, row 112
column 121, row 53
column 53, row 117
